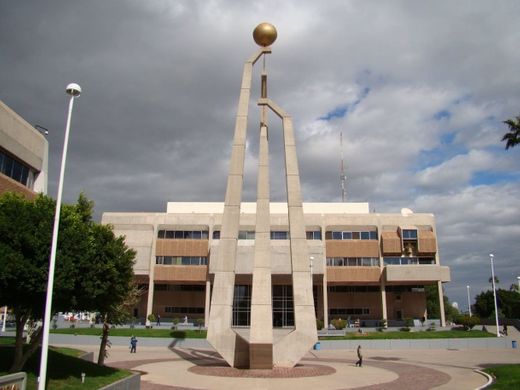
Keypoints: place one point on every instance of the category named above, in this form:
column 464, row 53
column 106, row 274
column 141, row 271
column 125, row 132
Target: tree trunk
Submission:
column 21, row 356
column 20, row 320
column 104, row 341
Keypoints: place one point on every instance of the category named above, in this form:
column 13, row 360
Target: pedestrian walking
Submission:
column 133, row 344
column 360, row 357
column 158, row 320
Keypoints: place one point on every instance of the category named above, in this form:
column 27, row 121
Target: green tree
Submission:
column 507, row 302
column 108, row 280
column 25, row 238
column 512, row 138
column 432, row 304
column 93, row 268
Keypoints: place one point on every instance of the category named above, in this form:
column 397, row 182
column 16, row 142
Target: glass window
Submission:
column 365, row 235
column 216, row 234
column 373, row 235
column 161, row 234
column 347, row 235
column 314, row 235
column 355, row 235
column 409, row 234
column 196, row 235
column 279, row 235
column 204, row 235
column 169, row 234
column 337, row 235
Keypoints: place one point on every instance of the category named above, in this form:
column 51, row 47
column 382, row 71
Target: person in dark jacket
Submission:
column 360, row 357
column 133, row 344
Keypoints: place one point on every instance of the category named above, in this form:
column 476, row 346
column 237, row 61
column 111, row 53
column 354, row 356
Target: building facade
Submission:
column 23, row 155
column 365, row 266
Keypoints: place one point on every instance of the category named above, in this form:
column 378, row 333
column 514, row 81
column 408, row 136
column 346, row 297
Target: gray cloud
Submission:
column 161, row 81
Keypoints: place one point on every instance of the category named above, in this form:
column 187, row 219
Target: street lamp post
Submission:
column 491, row 257
column 469, row 302
column 74, row 90
column 518, row 278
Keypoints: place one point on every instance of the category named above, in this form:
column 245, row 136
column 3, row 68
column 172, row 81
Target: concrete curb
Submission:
column 489, row 378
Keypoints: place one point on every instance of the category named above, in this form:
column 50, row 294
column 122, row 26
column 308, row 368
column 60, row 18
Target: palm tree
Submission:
column 513, row 137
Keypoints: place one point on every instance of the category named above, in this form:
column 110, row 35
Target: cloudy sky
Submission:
column 418, row 89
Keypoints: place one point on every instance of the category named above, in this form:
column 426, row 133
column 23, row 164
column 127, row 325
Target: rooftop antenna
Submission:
column 342, row 175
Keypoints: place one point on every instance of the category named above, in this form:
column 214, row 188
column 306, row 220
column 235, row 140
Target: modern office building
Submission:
column 366, row 266
column 23, row 155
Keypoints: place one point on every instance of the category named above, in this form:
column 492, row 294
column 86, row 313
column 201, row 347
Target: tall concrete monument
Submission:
column 261, row 346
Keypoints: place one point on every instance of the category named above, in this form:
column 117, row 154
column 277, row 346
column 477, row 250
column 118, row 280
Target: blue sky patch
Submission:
column 442, row 114
column 338, row 112
column 490, row 177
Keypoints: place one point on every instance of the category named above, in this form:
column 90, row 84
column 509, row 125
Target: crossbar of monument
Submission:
column 258, row 348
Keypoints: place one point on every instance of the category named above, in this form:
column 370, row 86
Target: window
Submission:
column 246, row 235
column 183, row 234
column 179, row 287
column 242, row 305
column 353, row 261
column 181, row 260
column 314, row 235
column 16, row 170
column 402, row 289
column 216, row 234
column 348, row 235
column 408, row 260
column 283, row 306
column 279, row 235
column 409, row 234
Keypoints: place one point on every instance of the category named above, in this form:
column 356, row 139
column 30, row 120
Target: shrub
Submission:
column 408, row 322
column 339, row 323
column 319, row 324
column 151, row 317
column 405, row 329
column 466, row 321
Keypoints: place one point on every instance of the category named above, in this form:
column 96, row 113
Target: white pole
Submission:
column 469, row 302
column 518, row 278
column 74, row 90
column 5, row 318
column 491, row 257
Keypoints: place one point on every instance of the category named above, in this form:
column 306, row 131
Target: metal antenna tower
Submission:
column 342, row 175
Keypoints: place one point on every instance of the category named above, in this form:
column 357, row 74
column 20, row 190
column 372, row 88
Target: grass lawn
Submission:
column 507, row 376
column 6, row 340
column 64, row 370
column 442, row 334
column 126, row 332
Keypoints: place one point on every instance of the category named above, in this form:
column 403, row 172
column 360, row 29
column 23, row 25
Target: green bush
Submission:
column 339, row 323
column 405, row 329
column 466, row 321
column 151, row 317
column 319, row 324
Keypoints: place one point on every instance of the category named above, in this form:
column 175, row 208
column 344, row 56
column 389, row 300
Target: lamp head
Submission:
column 73, row 90
column 491, row 255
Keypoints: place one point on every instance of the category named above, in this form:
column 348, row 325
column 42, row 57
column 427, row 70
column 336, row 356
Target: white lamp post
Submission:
column 5, row 318
column 491, row 257
column 518, row 278
column 74, row 90
column 469, row 302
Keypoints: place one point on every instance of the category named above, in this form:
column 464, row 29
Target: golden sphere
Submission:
column 265, row 34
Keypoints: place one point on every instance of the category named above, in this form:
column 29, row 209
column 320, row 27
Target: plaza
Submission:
column 192, row 364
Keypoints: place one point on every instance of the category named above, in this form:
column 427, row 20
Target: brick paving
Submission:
column 410, row 377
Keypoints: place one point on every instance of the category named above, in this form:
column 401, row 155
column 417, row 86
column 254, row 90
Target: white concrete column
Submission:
column 325, row 299
column 383, row 301
column 149, row 303
column 207, row 303
column 441, row 303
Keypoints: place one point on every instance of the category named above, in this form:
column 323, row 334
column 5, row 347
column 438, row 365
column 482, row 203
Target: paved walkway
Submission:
column 196, row 368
